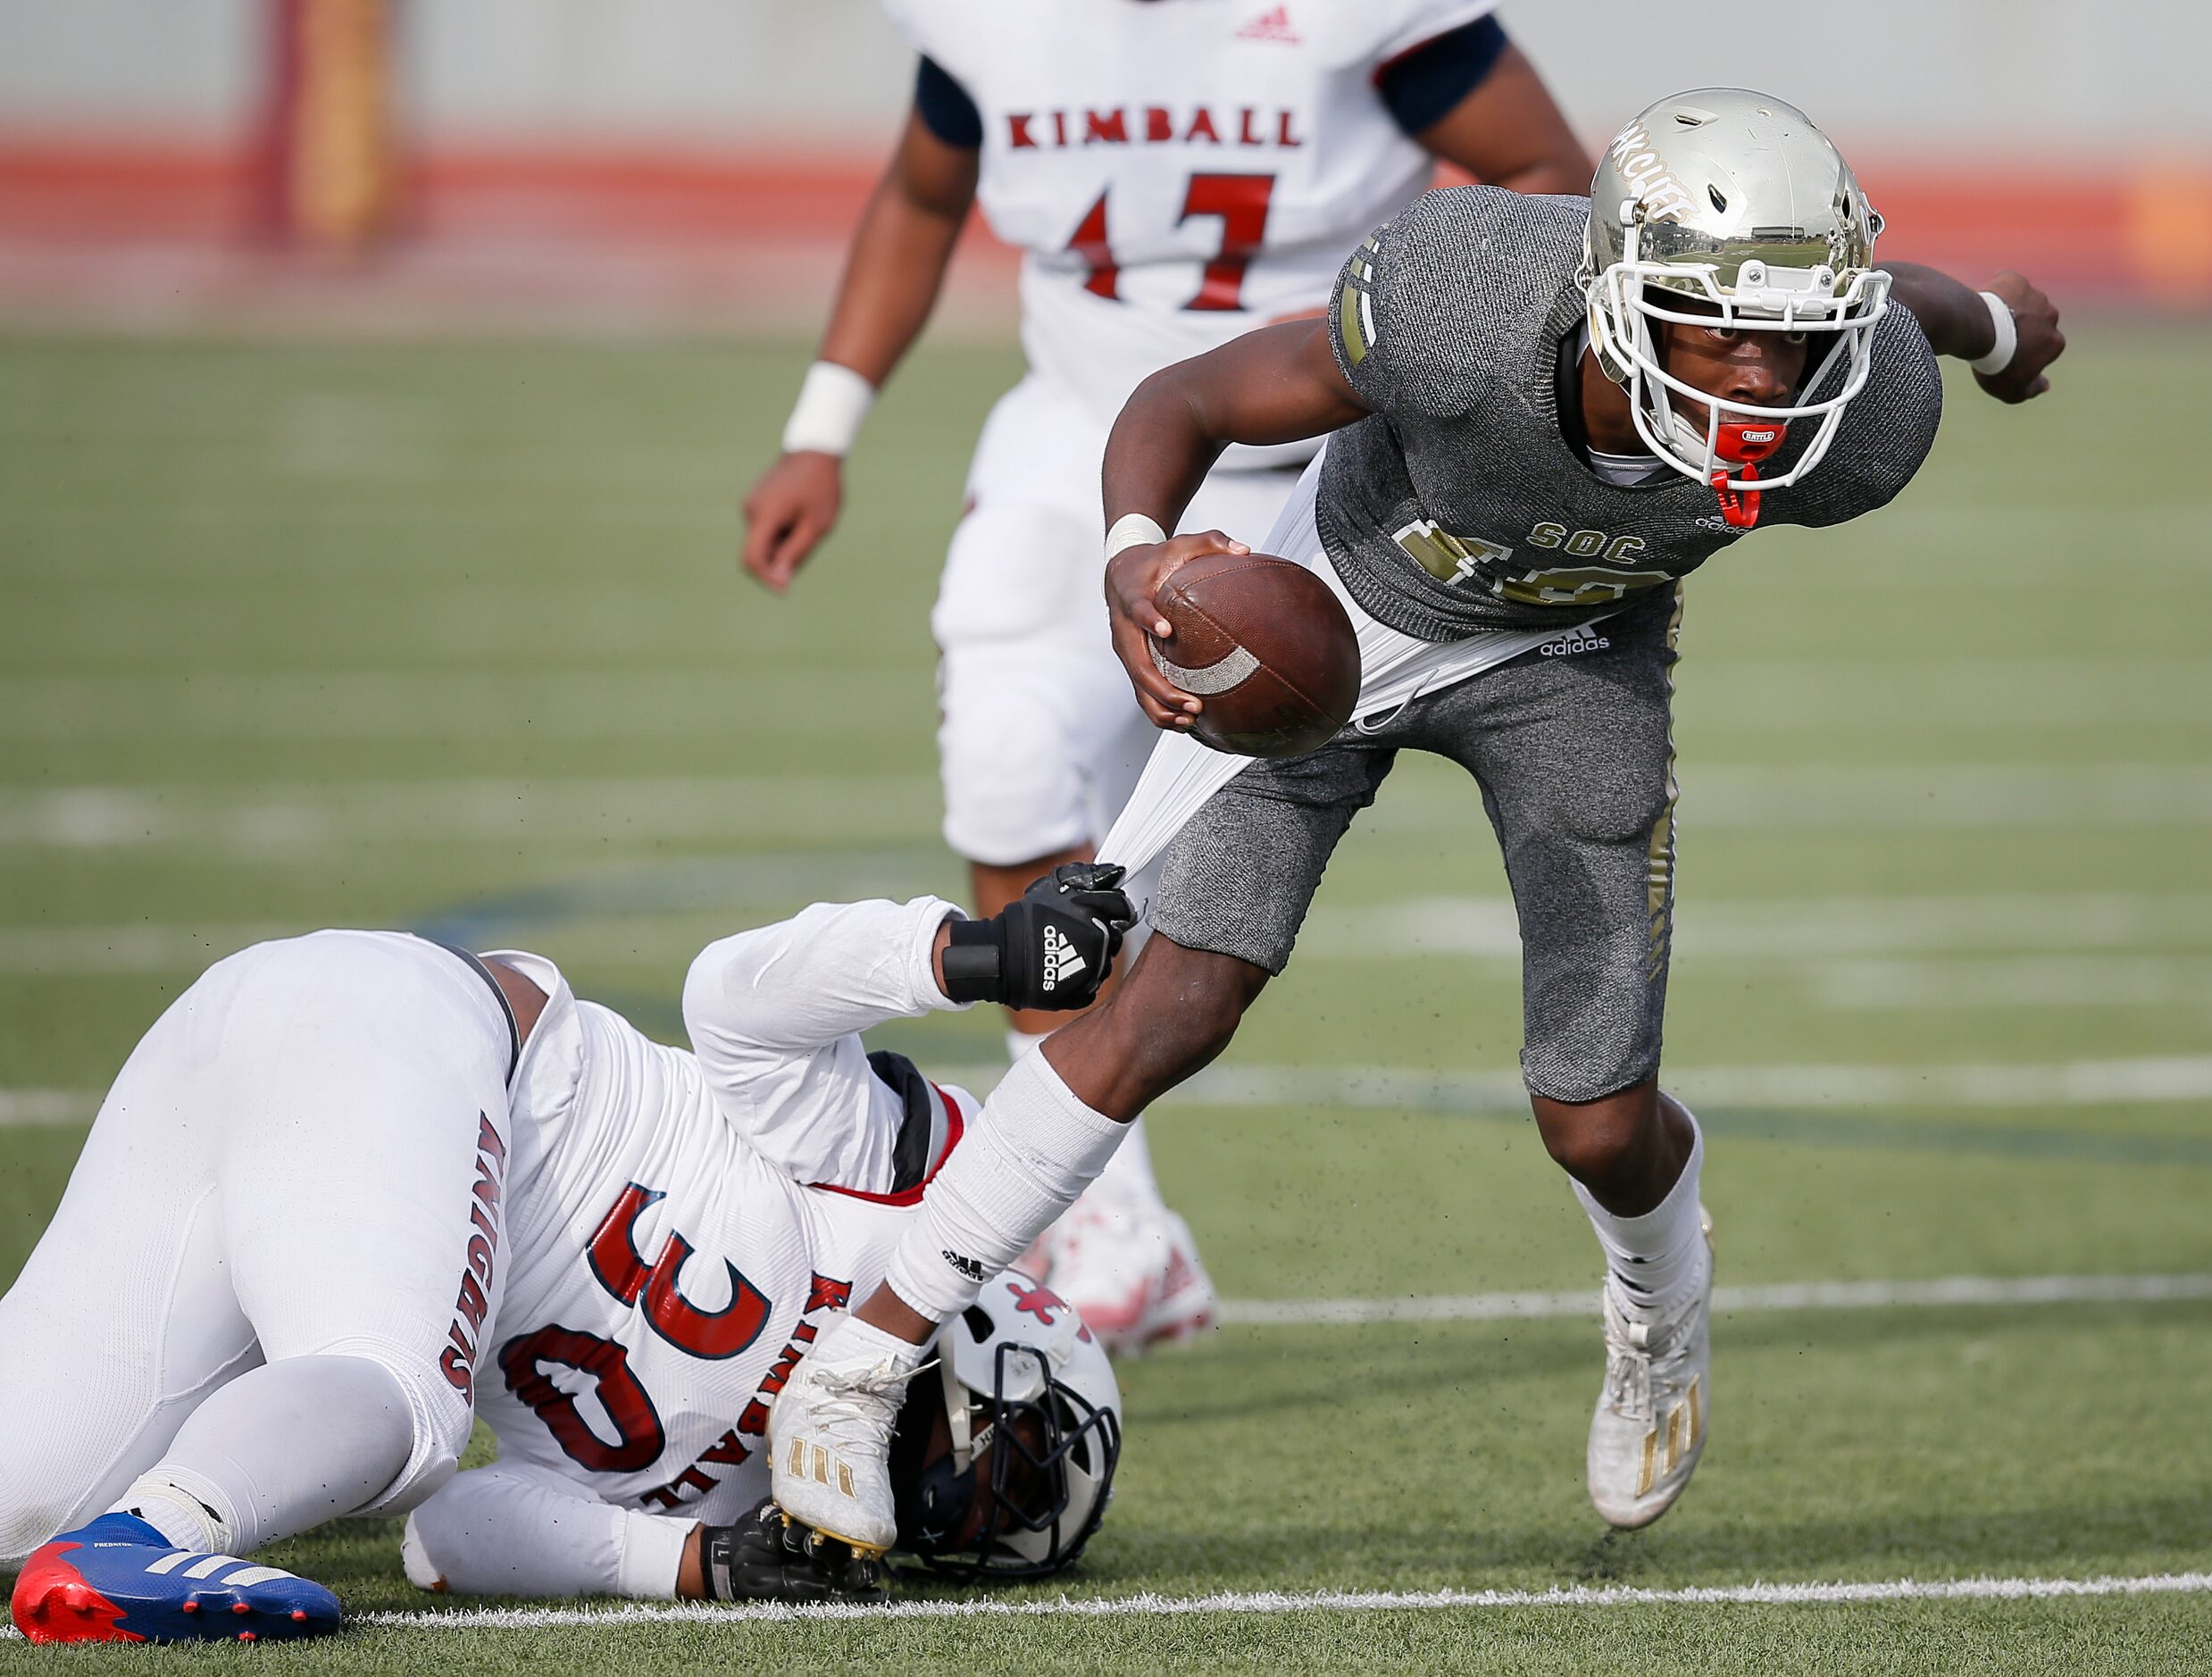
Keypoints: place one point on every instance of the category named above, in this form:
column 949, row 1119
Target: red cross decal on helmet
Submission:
column 1040, row 1301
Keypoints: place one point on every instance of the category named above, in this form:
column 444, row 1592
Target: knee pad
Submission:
column 1016, row 570
column 27, row 1520
column 1014, row 789
column 440, row 1422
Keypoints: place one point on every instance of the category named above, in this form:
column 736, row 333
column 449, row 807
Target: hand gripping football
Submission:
column 1266, row 645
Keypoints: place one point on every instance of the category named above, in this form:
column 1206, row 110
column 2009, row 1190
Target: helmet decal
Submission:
column 1657, row 194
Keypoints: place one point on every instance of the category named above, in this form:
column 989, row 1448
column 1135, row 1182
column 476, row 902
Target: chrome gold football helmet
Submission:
column 1736, row 200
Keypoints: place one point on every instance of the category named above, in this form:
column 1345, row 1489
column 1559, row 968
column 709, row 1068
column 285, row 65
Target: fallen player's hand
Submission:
column 768, row 1557
column 2041, row 341
column 1133, row 579
column 792, row 507
column 1051, row 949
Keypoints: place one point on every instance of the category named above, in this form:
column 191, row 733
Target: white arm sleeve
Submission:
column 520, row 1529
column 775, row 1016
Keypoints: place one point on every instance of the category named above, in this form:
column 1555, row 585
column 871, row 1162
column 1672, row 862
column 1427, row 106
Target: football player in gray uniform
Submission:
column 1543, row 412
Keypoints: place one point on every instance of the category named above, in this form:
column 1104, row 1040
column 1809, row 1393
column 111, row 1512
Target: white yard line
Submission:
column 383, row 705
column 255, row 822
column 20, row 1106
column 1798, row 1295
column 1816, row 931
column 2179, row 1078
column 1270, row 1602
column 263, row 818
column 1890, row 797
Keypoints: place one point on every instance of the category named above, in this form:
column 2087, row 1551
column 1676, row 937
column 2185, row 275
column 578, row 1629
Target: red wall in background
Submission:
column 2139, row 236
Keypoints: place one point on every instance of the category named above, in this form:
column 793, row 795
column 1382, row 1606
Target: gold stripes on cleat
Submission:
column 816, row 1466
column 1685, row 1425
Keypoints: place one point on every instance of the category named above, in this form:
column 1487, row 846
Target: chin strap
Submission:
column 1744, row 444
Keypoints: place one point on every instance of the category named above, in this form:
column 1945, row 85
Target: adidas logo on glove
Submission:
column 1061, row 959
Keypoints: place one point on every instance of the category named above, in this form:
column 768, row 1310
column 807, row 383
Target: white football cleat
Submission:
column 1656, row 1408
column 830, row 1435
column 1134, row 1276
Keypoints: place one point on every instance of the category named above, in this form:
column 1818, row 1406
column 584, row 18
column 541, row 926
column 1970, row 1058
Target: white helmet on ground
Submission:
column 1031, row 1410
column 1736, row 200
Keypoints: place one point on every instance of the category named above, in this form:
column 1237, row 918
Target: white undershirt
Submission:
column 1625, row 471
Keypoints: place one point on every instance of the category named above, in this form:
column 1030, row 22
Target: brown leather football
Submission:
column 1266, row 645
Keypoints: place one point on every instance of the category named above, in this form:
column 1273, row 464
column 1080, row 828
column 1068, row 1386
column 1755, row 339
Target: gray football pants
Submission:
column 1573, row 754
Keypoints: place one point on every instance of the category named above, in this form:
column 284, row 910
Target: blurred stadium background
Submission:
column 377, row 384
column 516, row 160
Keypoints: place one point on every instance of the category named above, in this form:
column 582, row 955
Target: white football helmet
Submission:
column 1736, row 199
column 1030, row 1396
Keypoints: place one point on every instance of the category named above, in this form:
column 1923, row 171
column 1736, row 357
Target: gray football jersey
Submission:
column 1460, row 506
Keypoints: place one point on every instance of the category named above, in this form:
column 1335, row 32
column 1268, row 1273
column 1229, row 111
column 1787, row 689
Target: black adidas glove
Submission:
column 768, row 1557
column 1051, row 949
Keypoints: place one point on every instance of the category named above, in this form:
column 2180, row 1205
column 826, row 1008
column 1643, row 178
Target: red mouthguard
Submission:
column 1744, row 443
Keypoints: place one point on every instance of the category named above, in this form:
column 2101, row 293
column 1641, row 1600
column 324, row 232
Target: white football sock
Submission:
column 1028, row 1157
column 276, row 1451
column 1127, row 1184
column 1655, row 1256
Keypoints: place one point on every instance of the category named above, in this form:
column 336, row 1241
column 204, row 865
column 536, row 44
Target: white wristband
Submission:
column 1132, row 529
column 832, row 404
column 2008, row 335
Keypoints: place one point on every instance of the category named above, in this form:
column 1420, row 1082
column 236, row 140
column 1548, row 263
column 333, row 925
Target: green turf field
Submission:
column 448, row 635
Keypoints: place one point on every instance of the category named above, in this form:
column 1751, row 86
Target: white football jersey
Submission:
column 669, row 1262
column 1181, row 171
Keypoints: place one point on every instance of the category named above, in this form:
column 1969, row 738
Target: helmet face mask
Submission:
column 1738, row 206
column 1029, row 1429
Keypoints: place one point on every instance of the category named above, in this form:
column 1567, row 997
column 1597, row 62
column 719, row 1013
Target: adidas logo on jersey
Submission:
column 1061, row 959
column 1271, row 26
column 1575, row 641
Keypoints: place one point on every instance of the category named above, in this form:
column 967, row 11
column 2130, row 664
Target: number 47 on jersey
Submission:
column 1241, row 201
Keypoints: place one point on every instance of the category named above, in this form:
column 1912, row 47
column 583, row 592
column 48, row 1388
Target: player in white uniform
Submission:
column 354, row 1191
column 1175, row 174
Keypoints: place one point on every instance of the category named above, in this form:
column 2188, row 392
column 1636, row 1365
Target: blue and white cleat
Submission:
column 118, row 1579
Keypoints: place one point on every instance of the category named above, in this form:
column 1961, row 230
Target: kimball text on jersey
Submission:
column 1150, row 125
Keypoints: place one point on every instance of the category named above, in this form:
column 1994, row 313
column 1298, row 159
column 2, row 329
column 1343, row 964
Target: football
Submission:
column 1268, row 646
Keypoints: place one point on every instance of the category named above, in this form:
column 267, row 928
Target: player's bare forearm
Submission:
column 1957, row 322
column 897, row 264
column 1954, row 319
column 1280, row 384
column 892, row 275
column 1510, row 132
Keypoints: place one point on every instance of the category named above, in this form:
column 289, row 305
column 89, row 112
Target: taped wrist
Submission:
column 832, row 401
column 1027, row 1158
column 2007, row 340
column 718, row 1560
column 975, row 967
column 1133, row 530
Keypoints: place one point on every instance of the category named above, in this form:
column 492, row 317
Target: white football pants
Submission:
column 292, row 1164
column 1040, row 740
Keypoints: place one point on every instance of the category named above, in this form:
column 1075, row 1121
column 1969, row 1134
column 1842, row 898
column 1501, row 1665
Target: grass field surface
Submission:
column 448, row 635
